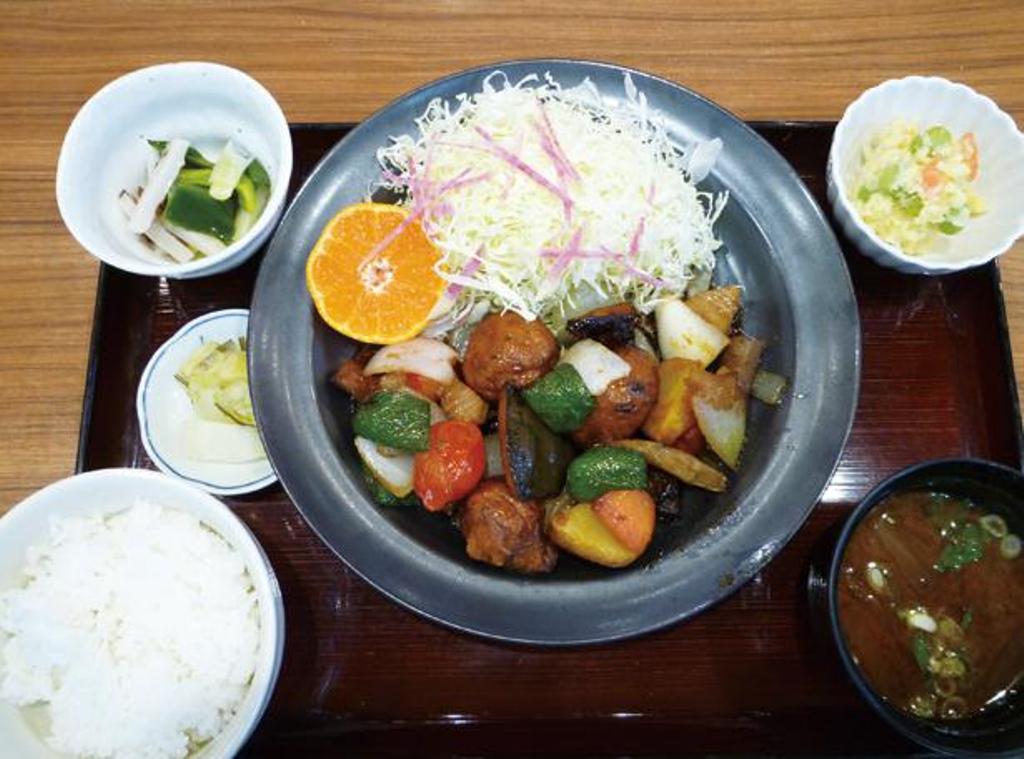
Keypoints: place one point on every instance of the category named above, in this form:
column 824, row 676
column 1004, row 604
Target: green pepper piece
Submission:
column 921, row 653
column 395, row 419
column 193, row 157
column 917, row 143
column 605, row 468
column 198, row 177
column 561, row 399
column 863, row 194
column 948, row 228
column 257, row 174
column 382, row 496
column 191, row 207
column 888, row 176
column 938, row 136
column 534, row 458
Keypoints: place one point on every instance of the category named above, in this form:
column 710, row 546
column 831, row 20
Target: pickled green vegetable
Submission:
column 216, row 379
column 227, row 171
column 193, row 157
column 191, row 207
column 395, row 419
column 605, row 468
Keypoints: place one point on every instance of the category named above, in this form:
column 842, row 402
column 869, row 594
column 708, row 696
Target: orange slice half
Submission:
column 370, row 283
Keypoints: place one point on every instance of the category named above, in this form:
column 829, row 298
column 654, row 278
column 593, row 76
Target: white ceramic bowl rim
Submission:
column 277, row 194
column 922, row 261
column 162, row 461
column 241, row 539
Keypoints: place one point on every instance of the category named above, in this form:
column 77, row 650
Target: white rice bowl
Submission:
column 138, row 618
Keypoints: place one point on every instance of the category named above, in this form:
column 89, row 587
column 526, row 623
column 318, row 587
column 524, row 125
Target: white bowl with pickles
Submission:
column 927, row 176
column 195, row 415
column 178, row 170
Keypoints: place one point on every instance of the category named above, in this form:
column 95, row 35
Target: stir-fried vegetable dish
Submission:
column 931, row 600
column 534, row 443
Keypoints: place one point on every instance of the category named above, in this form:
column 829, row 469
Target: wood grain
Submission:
column 775, row 59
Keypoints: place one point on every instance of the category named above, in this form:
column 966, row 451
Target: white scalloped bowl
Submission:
column 927, row 101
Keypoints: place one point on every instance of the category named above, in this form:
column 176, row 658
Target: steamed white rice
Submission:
column 138, row 632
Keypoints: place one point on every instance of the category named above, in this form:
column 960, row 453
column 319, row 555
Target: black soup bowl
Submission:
column 999, row 732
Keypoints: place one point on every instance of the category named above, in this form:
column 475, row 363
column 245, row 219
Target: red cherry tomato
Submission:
column 453, row 465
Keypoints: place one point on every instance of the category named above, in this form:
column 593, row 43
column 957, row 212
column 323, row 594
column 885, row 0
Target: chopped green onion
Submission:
column 876, row 577
column 947, row 227
column 966, row 620
column 916, row 144
column 921, row 653
column 863, row 194
column 1009, row 546
column 994, row 525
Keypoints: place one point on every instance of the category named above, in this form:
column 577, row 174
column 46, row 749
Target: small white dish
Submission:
column 164, row 408
column 105, row 151
column 929, row 101
column 108, row 490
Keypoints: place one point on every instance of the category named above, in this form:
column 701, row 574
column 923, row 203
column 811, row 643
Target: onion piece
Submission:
column 421, row 355
column 158, row 185
column 684, row 334
column 156, row 233
column 768, row 387
column 395, row 473
column 597, row 365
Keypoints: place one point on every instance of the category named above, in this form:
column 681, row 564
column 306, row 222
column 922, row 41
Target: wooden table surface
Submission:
column 772, row 59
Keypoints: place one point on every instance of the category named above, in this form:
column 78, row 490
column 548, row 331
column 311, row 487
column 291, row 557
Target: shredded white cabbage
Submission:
column 548, row 201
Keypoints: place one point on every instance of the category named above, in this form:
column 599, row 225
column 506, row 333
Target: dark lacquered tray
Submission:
column 756, row 674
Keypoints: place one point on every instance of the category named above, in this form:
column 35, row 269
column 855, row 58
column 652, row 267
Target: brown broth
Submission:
column 975, row 657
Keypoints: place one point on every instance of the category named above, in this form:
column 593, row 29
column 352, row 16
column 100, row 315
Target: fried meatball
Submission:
column 622, row 408
column 504, row 531
column 505, row 349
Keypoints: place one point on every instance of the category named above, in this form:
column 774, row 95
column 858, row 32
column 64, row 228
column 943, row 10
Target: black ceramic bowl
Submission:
column 1001, row 732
